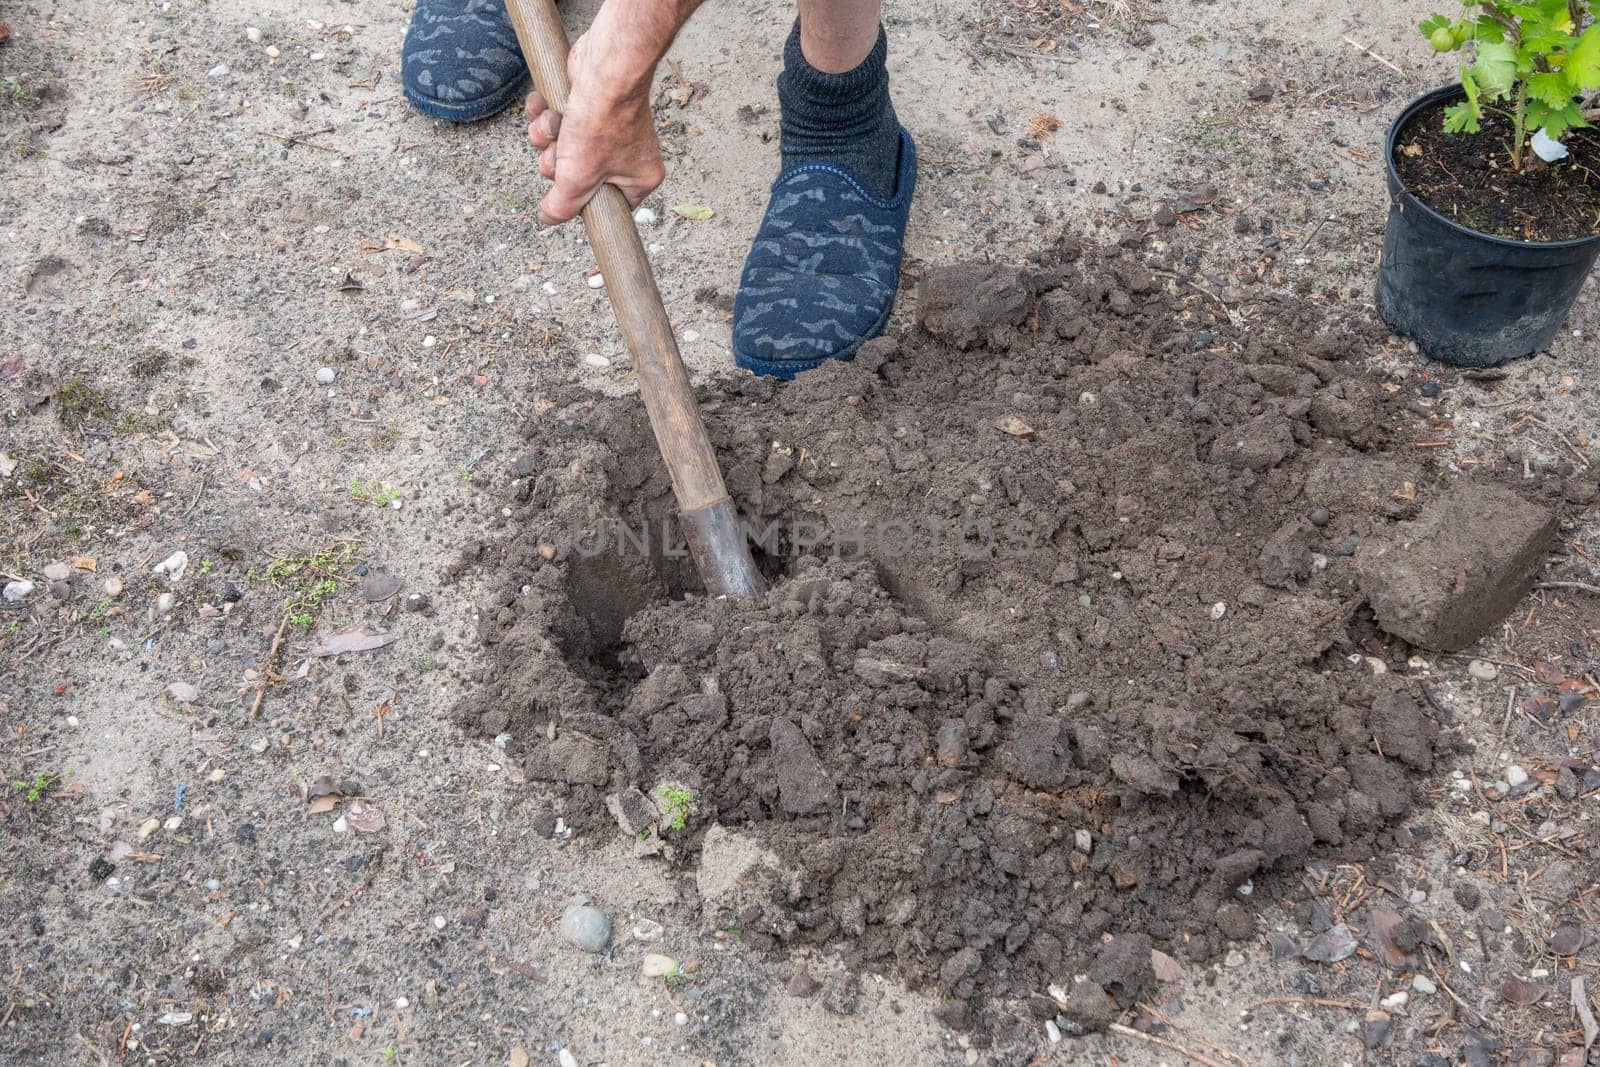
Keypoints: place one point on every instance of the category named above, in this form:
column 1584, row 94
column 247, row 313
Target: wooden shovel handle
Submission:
column 663, row 381
column 724, row 560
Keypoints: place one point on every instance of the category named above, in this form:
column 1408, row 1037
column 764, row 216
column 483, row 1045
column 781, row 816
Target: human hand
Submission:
column 608, row 134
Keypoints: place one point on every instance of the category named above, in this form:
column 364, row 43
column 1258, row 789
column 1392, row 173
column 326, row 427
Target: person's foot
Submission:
column 821, row 277
column 460, row 61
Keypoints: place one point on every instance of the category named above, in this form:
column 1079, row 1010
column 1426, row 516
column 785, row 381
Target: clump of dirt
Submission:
column 1058, row 660
column 1470, row 178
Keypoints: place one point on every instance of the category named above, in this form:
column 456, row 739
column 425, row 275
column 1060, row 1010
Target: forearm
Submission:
column 630, row 38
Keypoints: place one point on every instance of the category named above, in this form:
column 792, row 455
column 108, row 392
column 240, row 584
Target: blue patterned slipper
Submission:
column 821, row 277
column 460, row 61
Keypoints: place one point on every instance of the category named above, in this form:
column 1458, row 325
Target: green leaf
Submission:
column 1464, row 117
column 1583, row 62
column 1551, row 89
column 1496, row 69
column 1460, row 118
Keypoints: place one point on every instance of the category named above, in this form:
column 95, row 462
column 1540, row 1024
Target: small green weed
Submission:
column 35, row 790
column 675, row 802
column 377, row 493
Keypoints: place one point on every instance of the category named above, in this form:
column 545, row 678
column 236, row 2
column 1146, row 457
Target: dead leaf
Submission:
column 1014, row 426
column 7, row 465
column 394, row 242
column 693, row 212
column 1520, row 992
column 517, row 1058
column 350, row 285
column 323, row 804
column 364, row 818
column 1165, row 967
column 1383, row 925
column 1042, row 127
column 1580, row 1005
column 1407, row 491
column 355, row 639
column 84, row 563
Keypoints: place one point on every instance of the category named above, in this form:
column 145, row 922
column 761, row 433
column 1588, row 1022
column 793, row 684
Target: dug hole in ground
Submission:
column 1161, row 663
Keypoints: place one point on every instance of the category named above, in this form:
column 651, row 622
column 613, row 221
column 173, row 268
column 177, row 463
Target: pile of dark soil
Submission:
column 1086, row 667
column 1469, row 178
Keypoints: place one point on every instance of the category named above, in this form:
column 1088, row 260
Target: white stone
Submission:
column 113, row 587
column 340, row 825
column 1052, row 1031
column 272, row 51
column 567, row 1059
column 1082, row 840
column 655, row 965
column 259, row 745
column 1515, row 776
column 165, row 602
column 326, row 375
column 221, row 70
column 597, row 281
column 645, row 216
column 438, row 922
column 252, row 34
column 596, row 360
column 19, row 590
column 1218, row 610
column 173, row 566
column 1483, row 670
column 1394, row 1000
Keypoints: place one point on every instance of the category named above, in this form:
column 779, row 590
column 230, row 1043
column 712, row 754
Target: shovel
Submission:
column 710, row 522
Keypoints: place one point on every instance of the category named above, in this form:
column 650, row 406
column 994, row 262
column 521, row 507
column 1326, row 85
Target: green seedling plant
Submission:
column 307, row 581
column 34, row 790
column 1530, row 62
column 374, row 493
column 675, row 803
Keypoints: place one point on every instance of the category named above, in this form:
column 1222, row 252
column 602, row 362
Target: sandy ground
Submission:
column 193, row 224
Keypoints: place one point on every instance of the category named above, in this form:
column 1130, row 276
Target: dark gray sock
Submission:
column 844, row 119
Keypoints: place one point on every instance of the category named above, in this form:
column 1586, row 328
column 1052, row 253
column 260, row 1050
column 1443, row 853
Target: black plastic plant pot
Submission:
column 1470, row 298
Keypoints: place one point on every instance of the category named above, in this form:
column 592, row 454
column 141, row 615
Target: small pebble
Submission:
column 1423, row 984
column 57, row 572
column 1052, row 1031
column 1483, row 670
column 325, row 375
column 259, row 745
column 596, row 360
column 173, row 566
column 655, row 965
column 272, row 51
column 680, row 1019
column 113, row 587
column 585, row 928
column 340, row 825
column 252, row 34
column 1394, row 1000
column 1082, row 840
column 165, row 602
column 1515, row 776
column 1416, row 896
column 18, row 590
column 429, row 341
column 438, row 922
column 1319, row 517
column 567, row 1059
column 597, row 281
column 1218, row 610
column 221, row 70
column 645, row 217
column 183, row 692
